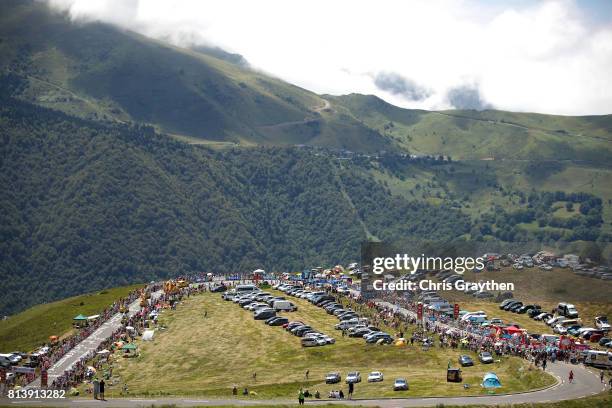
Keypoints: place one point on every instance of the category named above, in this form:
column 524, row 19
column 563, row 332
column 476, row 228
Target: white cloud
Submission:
column 545, row 57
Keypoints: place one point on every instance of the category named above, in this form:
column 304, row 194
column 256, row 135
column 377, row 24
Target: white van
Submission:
column 284, row 305
column 242, row 289
column 597, row 358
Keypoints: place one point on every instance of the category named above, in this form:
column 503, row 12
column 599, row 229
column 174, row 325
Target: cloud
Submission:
column 546, row 56
column 398, row 85
column 467, row 97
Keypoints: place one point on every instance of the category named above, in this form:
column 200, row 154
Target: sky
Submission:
column 532, row 56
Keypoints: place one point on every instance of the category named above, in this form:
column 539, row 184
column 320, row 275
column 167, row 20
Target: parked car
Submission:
column 604, row 340
column 310, row 342
column 5, row 360
column 543, row 316
column 505, row 303
column 278, row 321
column 555, row 320
column 219, row 289
column 516, row 303
column 292, row 325
column 264, row 313
column 515, row 307
column 525, row 308
column 375, row 376
column 360, row 332
column 601, row 322
column 485, row 357
column 534, row 312
column 353, row 377
column 333, row 378
column 559, row 329
column 465, row 361
column 400, row 384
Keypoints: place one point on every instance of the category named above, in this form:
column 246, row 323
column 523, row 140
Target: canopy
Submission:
column 129, row 346
column 259, row 271
column 94, row 317
column 105, row 351
column 148, row 335
column 512, row 330
column 490, row 380
column 80, row 317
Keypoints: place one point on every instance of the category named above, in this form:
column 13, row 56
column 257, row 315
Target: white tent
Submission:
column 103, row 352
column 259, row 271
column 148, row 335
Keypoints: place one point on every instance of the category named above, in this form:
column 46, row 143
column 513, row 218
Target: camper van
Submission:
column 567, row 310
column 597, row 358
column 284, row 305
column 244, row 289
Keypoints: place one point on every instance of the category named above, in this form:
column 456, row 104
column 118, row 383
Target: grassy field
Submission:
column 31, row 328
column 207, row 356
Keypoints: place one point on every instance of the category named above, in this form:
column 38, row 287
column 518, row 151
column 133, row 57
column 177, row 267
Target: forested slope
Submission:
column 87, row 206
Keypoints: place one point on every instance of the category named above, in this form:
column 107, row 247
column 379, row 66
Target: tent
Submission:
column 103, row 352
column 490, row 380
column 512, row 330
column 148, row 335
column 80, row 318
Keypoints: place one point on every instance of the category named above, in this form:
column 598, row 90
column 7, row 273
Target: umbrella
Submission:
column 105, row 351
column 80, row 317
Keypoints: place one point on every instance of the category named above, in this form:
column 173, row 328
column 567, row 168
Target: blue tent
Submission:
column 490, row 380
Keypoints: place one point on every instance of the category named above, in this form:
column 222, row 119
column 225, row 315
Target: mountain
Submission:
column 206, row 95
column 88, row 205
column 101, row 72
column 124, row 159
column 489, row 134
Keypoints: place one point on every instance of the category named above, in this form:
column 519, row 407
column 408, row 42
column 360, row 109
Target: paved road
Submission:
column 89, row 344
column 586, row 383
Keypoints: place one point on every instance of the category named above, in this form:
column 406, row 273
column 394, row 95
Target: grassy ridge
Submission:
column 29, row 329
column 229, row 346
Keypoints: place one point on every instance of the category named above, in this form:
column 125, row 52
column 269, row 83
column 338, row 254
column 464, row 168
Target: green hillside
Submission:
column 474, row 135
column 100, row 72
column 110, row 172
column 31, row 328
column 88, row 206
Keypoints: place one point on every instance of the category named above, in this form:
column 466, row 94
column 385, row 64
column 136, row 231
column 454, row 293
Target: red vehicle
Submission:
column 595, row 337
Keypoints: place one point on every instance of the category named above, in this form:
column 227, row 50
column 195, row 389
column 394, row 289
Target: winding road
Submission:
column 586, row 383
